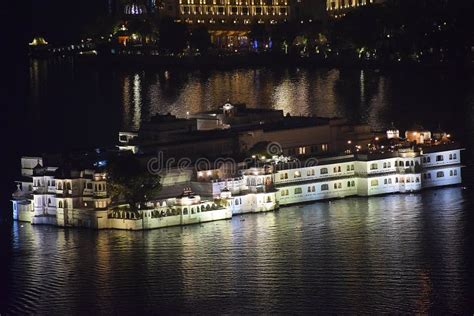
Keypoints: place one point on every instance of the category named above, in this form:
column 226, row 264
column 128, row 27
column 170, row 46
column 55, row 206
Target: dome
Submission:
column 18, row 193
column 135, row 9
column 38, row 41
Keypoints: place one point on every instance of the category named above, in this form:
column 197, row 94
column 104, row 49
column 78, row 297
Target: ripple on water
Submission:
column 396, row 253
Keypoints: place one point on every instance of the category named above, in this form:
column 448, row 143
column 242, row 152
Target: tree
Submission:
column 129, row 180
column 200, row 39
column 173, row 36
column 258, row 34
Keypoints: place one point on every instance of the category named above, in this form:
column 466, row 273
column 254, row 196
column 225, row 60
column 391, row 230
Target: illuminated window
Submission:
column 297, row 174
column 324, row 147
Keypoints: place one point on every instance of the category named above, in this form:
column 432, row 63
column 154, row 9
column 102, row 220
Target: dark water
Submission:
column 397, row 253
column 400, row 253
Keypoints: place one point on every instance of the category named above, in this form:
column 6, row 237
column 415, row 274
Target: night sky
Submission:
column 64, row 21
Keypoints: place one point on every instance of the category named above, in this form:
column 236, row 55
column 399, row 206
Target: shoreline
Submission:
column 243, row 215
column 254, row 61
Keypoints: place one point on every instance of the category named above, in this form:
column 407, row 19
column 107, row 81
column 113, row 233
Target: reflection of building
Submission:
column 338, row 8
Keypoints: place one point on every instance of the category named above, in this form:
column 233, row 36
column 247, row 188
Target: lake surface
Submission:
column 396, row 253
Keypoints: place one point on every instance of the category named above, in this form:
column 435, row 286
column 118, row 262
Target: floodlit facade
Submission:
column 72, row 198
column 366, row 175
column 338, row 8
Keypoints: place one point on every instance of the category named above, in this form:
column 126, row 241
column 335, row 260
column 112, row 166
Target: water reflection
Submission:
column 359, row 96
column 365, row 96
column 399, row 253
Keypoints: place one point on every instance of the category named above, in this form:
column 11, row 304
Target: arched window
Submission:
column 185, row 211
column 60, row 204
column 68, row 186
column 60, row 185
column 407, row 164
column 65, row 203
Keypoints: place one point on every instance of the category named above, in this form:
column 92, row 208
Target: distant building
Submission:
column 230, row 21
column 338, row 8
column 234, row 129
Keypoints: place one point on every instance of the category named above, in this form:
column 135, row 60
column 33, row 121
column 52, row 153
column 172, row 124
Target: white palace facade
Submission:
column 56, row 196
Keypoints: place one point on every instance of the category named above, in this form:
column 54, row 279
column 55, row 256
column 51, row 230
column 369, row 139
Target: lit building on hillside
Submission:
column 338, row 8
column 229, row 21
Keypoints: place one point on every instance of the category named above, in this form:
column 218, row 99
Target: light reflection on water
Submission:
column 397, row 253
column 299, row 92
